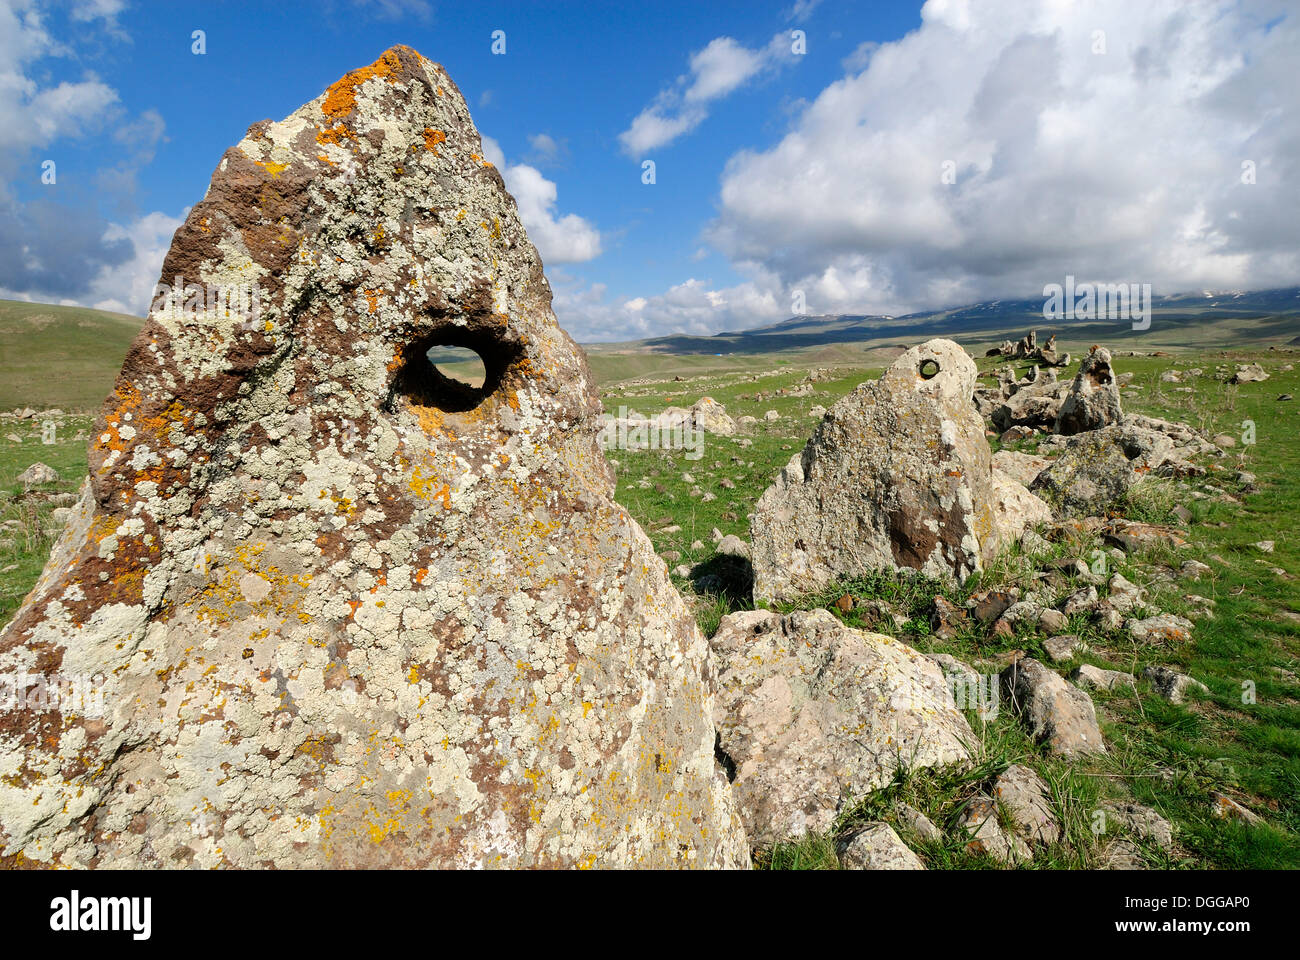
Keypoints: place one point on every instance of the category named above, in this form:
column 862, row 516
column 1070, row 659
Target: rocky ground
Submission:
column 1160, row 620
column 1130, row 670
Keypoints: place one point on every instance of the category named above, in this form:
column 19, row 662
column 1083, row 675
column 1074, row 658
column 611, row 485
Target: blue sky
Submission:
column 913, row 156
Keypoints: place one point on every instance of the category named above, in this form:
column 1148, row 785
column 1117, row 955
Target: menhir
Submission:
column 335, row 608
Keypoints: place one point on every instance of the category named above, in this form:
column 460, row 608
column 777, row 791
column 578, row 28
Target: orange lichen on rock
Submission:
column 335, row 134
column 341, row 97
column 432, row 138
column 398, row 353
column 128, row 401
column 160, row 425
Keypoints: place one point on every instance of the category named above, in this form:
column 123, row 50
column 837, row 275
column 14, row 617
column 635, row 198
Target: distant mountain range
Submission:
column 1199, row 319
column 69, row 356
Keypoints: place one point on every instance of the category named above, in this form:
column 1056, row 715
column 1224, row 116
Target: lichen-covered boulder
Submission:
column 1034, row 405
column 335, row 609
column 1014, row 509
column 813, row 714
column 1093, row 400
column 711, row 417
column 1094, row 472
column 1058, row 715
column 897, row 475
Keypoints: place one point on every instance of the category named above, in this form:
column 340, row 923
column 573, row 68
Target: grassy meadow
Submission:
column 1241, row 739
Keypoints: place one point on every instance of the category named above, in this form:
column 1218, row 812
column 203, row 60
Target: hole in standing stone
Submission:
column 929, row 369
column 453, row 371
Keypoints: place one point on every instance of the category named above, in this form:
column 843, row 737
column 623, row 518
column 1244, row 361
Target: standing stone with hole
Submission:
column 898, row 475
column 343, row 612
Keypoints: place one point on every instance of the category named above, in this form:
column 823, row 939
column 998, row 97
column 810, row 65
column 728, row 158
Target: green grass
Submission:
column 66, row 357
column 1165, row 756
column 27, row 528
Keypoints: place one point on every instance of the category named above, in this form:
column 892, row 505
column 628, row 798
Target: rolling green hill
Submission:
column 1172, row 757
column 1179, row 322
column 66, row 357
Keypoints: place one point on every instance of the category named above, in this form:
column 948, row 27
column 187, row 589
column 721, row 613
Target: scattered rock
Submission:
column 732, row 546
column 877, row 847
column 1034, row 544
column 1034, row 406
column 1093, row 400
column 38, row 474
column 1082, row 600
column 946, row 619
column 1108, row 618
column 916, row 821
column 1027, row 801
column 1249, row 373
column 1165, row 628
column 1065, row 647
column 874, row 490
column 1203, row 607
column 1124, row 595
column 810, row 711
column 1122, row 855
column 980, row 820
column 1058, row 715
column 1086, row 675
column 1053, row 621
column 988, row 605
column 711, row 417
column 1223, row 807
column 1171, row 684
column 1132, row 536
column 1142, row 822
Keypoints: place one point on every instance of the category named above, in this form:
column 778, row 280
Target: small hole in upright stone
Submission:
column 929, row 369
column 454, row 371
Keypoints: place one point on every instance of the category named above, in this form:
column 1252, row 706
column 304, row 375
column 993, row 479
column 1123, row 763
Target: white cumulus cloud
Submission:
column 720, row 68
column 1123, row 165
column 559, row 239
column 129, row 287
